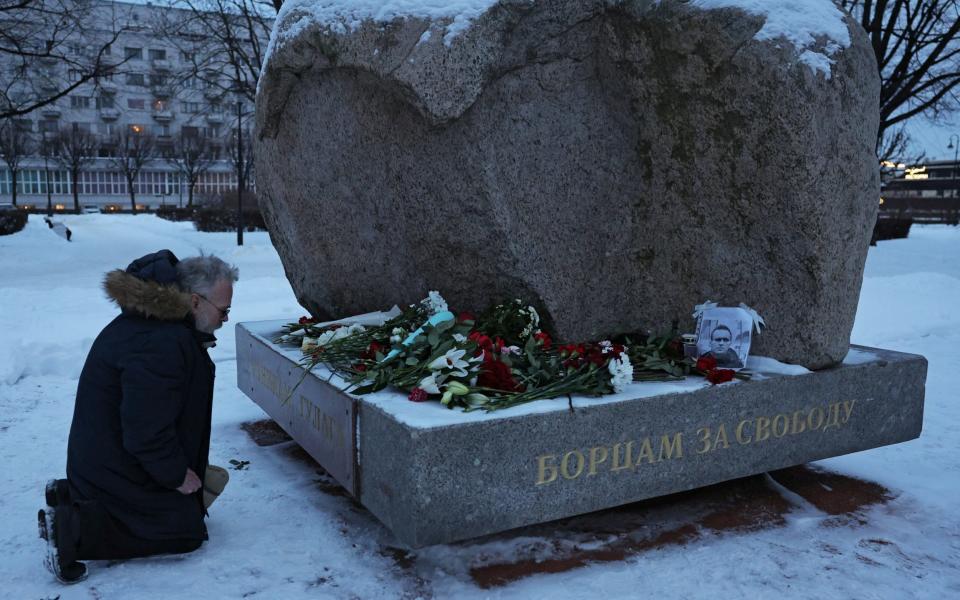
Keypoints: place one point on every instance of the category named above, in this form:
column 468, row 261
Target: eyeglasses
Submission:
column 224, row 312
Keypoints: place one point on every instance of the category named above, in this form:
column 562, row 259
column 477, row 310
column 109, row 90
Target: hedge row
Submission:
column 891, row 229
column 214, row 219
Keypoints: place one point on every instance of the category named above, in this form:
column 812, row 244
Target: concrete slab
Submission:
column 435, row 476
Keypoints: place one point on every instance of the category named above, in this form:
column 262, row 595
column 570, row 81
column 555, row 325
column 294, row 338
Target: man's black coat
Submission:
column 142, row 413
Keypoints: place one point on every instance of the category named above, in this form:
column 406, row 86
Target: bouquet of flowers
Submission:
column 498, row 358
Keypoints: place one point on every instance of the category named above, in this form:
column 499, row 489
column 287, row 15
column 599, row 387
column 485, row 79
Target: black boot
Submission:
column 57, row 493
column 64, row 568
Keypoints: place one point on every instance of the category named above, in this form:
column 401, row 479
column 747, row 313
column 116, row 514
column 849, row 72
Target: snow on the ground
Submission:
column 274, row 534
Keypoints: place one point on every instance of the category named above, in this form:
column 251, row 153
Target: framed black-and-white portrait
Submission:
column 725, row 333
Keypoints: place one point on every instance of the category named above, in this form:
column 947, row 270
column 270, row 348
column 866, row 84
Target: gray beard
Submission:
column 206, row 326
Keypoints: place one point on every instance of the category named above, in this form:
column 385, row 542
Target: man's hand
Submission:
column 191, row 483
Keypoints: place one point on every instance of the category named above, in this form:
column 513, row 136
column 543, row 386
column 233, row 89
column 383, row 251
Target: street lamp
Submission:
column 955, row 147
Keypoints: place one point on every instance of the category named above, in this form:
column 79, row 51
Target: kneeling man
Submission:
column 137, row 453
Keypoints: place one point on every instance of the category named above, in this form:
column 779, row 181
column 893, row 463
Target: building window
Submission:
column 49, row 125
column 191, row 83
column 212, row 131
column 24, row 125
column 79, row 101
column 158, row 54
column 136, row 129
column 136, row 103
column 81, row 127
column 28, row 181
column 161, row 105
column 74, row 75
column 190, row 107
column 107, row 50
column 135, row 79
column 105, row 101
column 187, row 56
column 189, row 132
column 157, row 79
column 130, row 53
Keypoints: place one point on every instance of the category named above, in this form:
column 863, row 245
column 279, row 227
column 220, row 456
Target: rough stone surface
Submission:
column 440, row 484
column 612, row 164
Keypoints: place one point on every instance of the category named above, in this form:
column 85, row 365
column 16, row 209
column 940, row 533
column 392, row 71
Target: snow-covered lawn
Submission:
column 281, row 531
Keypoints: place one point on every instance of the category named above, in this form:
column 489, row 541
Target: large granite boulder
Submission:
column 613, row 163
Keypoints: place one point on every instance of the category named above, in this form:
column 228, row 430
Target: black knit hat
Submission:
column 159, row 266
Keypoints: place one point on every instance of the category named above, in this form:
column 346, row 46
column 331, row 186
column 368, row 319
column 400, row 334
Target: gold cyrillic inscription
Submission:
column 618, row 457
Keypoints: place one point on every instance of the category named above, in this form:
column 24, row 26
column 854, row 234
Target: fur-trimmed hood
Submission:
column 153, row 299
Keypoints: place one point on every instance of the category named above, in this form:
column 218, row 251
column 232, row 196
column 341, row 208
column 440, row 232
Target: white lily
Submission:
column 452, row 360
column 429, row 384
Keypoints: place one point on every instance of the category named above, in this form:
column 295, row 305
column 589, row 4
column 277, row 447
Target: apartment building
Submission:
column 154, row 91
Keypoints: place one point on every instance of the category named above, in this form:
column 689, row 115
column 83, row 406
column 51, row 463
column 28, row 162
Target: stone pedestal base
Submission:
column 436, row 476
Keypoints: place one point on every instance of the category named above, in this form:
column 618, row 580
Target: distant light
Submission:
column 881, row 201
column 917, row 173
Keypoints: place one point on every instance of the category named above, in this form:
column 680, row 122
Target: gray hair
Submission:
column 200, row 273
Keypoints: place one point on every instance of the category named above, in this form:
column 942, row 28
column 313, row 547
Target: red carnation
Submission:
column 706, row 363
column 466, row 317
column 359, row 367
column 418, row 395
column 596, row 356
column 371, row 352
column 481, row 340
column 496, row 375
column 720, row 376
column 544, row 338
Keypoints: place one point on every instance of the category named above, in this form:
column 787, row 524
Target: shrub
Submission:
column 218, row 219
column 12, row 221
column 172, row 213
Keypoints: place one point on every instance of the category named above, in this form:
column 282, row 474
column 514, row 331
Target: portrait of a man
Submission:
column 724, row 333
column 720, row 339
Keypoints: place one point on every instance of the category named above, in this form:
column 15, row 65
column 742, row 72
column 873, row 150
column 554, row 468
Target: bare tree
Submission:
column 76, row 150
column 225, row 41
column 918, row 54
column 15, row 145
column 49, row 48
column 193, row 157
column 133, row 150
column 47, row 149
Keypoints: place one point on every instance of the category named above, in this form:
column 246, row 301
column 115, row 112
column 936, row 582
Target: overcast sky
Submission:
column 933, row 138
